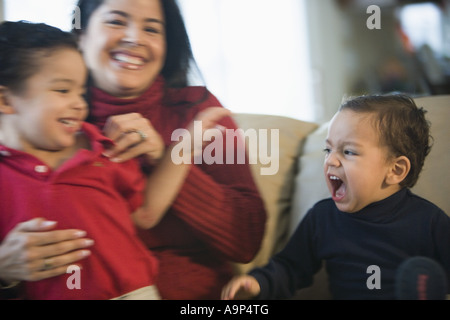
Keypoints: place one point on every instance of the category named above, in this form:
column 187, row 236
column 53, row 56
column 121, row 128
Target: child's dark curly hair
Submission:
column 402, row 127
column 22, row 44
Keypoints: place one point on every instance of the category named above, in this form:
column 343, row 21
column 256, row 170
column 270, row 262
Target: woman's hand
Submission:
column 32, row 251
column 133, row 136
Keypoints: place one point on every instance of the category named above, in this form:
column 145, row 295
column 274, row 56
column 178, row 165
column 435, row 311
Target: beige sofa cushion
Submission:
column 276, row 190
column 310, row 186
column 434, row 180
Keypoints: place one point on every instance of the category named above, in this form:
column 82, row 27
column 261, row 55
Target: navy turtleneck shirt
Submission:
column 383, row 235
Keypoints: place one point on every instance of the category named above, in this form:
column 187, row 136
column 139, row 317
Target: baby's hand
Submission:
column 241, row 288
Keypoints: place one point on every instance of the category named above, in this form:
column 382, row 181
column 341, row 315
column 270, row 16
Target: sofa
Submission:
column 299, row 182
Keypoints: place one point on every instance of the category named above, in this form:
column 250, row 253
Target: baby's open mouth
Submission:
column 338, row 187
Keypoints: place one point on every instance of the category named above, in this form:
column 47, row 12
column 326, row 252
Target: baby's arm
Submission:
column 241, row 288
column 167, row 179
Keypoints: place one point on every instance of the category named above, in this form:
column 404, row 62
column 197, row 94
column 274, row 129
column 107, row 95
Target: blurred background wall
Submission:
column 300, row 58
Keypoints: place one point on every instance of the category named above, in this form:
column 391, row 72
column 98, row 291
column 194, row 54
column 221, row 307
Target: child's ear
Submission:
column 399, row 170
column 5, row 105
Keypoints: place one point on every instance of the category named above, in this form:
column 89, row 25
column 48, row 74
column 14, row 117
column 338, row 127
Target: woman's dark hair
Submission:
column 179, row 60
column 402, row 127
column 22, row 44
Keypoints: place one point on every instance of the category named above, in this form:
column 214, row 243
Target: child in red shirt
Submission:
column 52, row 166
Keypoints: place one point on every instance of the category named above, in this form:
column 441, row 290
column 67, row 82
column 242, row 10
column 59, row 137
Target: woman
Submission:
column 139, row 56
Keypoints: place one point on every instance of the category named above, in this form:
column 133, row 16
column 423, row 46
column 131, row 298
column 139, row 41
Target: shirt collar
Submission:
column 383, row 210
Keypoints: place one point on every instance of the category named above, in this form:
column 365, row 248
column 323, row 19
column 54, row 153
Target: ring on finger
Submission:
column 141, row 134
column 47, row 265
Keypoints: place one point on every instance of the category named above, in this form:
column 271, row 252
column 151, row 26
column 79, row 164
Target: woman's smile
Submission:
column 128, row 60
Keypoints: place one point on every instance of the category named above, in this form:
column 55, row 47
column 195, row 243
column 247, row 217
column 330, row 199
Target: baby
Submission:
column 375, row 149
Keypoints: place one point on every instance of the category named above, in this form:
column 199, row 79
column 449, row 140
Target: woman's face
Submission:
column 124, row 45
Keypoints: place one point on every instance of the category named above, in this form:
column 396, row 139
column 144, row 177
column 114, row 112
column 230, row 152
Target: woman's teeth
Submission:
column 128, row 59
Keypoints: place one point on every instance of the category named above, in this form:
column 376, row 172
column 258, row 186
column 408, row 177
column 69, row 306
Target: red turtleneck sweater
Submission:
column 218, row 215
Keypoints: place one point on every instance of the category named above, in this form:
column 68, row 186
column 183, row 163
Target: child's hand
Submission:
column 241, row 288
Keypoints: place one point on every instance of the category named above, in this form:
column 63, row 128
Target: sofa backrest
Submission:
column 434, row 180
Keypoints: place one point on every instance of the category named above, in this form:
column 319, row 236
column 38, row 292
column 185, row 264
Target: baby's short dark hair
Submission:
column 22, row 44
column 402, row 127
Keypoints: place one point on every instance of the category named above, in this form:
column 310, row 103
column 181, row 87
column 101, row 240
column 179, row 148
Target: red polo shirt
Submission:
column 88, row 192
